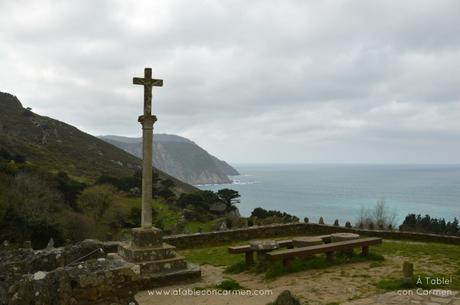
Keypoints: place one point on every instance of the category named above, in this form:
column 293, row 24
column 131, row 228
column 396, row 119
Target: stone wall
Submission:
column 197, row 240
column 67, row 276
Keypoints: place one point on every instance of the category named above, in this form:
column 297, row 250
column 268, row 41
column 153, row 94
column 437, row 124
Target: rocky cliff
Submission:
column 180, row 158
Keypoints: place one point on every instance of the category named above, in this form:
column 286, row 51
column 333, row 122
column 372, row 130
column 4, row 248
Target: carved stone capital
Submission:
column 147, row 121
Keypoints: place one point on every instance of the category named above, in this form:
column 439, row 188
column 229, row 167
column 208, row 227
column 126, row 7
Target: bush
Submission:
column 229, row 285
column 380, row 217
column 102, row 204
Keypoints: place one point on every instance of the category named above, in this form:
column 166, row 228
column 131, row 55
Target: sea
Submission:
column 342, row 192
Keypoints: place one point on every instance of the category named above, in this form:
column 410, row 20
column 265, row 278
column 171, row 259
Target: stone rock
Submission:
column 234, row 214
column 263, row 245
column 53, row 276
column 408, row 272
column 306, row 241
column 50, row 243
column 220, row 226
column 39, row 275
column 286, row 298
column 219, row 207
column 336, row 237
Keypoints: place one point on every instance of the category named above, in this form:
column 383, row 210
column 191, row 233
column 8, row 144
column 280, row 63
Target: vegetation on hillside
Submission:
column 426, row 224
column 56, row 146
column 260, row 216
column 37, row 204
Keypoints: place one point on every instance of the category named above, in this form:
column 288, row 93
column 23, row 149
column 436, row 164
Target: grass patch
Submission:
column 195, row 226
column 411, row 249
column 375, row 264
column 165, row 214
column 277, row 269
column 318, row 262
column 216, row 256
column 237, row 268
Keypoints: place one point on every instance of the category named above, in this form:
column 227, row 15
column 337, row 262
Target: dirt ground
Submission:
column 335, row 284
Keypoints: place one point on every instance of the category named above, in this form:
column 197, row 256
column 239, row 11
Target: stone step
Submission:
column 150, row 268
column 136, row 255
column 192, row 273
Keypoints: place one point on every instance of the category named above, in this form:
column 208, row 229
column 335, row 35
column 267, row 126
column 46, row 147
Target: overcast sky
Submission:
column 250, row 81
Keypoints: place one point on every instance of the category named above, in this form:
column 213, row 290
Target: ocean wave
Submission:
column 238, row 182
column 234, row 182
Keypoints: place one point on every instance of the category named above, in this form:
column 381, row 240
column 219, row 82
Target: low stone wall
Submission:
column 197, row 240
column 67, row 276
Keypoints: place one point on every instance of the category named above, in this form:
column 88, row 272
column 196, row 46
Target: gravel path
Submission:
column 412, row 298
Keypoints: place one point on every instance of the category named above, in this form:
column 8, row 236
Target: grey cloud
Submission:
column 299, row 81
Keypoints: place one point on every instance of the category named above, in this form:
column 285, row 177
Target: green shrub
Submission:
column 229, row 284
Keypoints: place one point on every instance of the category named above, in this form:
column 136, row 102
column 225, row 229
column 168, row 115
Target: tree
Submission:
column 30, row 209
column 164, row 189
column 69, row 188
column 229, row 197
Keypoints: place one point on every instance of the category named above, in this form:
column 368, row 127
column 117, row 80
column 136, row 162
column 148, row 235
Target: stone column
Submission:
column 147, row 136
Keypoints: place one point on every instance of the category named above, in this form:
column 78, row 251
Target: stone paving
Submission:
column 410, row 297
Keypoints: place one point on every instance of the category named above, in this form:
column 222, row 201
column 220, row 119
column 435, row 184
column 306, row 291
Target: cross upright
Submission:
column 147, row 120
column 148, row 82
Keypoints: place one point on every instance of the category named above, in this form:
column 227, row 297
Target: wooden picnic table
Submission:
column 329, row 249
column 248, row 250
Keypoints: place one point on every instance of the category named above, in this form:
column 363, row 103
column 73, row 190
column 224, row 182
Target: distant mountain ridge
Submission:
column 56, row 145
column 180, row 158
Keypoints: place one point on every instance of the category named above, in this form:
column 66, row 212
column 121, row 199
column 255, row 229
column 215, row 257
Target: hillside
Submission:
column 58, row 146
column 180, row 158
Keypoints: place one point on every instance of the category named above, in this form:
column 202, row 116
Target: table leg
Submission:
column 330, row 256
column 287, row 262
column 249, row 258
column 365, row 251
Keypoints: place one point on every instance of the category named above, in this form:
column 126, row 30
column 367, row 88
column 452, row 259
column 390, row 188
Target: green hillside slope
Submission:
column 58, row 146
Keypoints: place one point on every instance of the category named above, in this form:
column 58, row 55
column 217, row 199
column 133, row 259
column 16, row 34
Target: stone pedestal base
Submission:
column 157, row 261
column 145, row 238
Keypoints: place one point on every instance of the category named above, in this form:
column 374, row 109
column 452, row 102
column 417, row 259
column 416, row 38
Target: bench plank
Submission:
column 326, row 248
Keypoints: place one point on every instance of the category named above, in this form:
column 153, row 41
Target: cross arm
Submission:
column 138, row 81
column 148, row 82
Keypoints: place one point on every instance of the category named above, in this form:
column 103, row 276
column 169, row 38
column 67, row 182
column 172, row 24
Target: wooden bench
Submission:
column 249, row 251
column 328, row 249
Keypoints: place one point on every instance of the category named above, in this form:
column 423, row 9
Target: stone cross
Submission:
column 147, row 120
